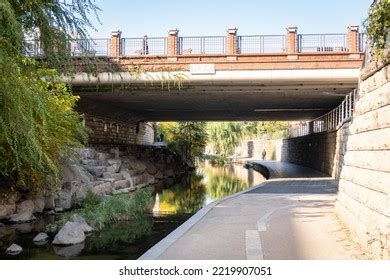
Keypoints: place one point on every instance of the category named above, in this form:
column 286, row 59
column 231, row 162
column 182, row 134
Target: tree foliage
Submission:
column 377, row 26
column 38, row 124
column 188, row 138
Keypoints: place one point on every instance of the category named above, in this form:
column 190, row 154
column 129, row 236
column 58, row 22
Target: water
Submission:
column 173, row 204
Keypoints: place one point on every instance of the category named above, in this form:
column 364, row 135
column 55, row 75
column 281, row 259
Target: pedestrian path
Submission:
column 290, row 216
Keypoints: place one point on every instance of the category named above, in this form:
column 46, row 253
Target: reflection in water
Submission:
column 173, row 205
column 209, row 183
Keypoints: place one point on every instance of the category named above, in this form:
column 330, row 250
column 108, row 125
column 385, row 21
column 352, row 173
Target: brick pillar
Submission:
column 292, row 47
column 353, row 38
column 115, row 43
column 173, row 42
column 231, row 41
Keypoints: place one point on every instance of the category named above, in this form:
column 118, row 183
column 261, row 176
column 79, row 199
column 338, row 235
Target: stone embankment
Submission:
column 101, row 170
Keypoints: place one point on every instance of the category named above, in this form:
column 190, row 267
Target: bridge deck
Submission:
column 290, row 216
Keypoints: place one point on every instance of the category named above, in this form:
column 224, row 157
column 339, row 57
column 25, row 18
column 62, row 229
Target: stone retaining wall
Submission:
column 363, row 202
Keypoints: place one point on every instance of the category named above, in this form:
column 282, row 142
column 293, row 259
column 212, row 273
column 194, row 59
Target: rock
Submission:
column 115, row 164
column 3, row 212
column 117, row 176
column 122, row 191
column 122, row 184
column 97, row 170
column 86, row 153
column 2, row 225
column 139, row 166
column 71, row 233
column 80, row 174
column 102, row 189
column 49, row 201
column 82, row 223
column 148, row 179
column 25, row 206
column 39, row 204
column 102, row 156
column 151, row 168
column 41, row 238
column 24, row 212
column 59, row 209
column 64, row 197
column 169, row 173
column 159, row 175
column 23, row 217
column 107, row 175
column 69, row 251
column 14, row 249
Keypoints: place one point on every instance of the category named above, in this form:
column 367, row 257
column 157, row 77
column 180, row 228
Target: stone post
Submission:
column 292, row 41
column 115, row 43
column 231, row 41
column 173, row 42
column 353, row 38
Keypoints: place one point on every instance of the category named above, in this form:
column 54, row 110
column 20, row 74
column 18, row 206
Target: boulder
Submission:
column 122, row 191
column 24, row 217
column 148, row 179
column 69, row 251
column 117, row 176
column 64, row 197
column 86, row 153
column 97, row 170
column 41, row 238
column 49, row 201
column 151, row 168
column 14, row 249
column 24, row 212
column 115, row 164
column 159, row 175
column 71, row 233
column 139, row 166
column 169, row 173
column 80, row 174
column 2, row 225
column 122, row 184
column 3, row 212
column 39, row 204
column 82, row 223
column 102, row 156
column 107, row 175
column 102, row 189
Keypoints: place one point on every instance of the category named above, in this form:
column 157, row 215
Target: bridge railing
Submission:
column 231, row 44
column 328, row 122
column 322, row 43
column 202, row 45
column 144, row 46
column 261, row 44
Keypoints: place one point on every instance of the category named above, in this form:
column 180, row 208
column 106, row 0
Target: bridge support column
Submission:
column 173, row 42
column 353, row 38
column 231, row 41
column 115, row 43
column 292, row 47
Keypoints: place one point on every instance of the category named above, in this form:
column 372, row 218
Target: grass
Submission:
column 101, row 211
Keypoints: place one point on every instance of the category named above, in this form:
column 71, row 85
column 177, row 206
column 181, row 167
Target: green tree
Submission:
column 38, row 123
column 188, row 138
column 225, row 136
column 377, row 26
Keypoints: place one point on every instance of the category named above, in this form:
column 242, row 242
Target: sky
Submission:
column 136, row 18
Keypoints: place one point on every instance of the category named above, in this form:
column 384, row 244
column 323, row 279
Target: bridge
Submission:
column 234, row 77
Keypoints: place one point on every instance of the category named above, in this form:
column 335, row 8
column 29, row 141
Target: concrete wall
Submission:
column 107, row 131
column 321, row 151
column 363, row 202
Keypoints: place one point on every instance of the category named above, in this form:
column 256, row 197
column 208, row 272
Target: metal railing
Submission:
column 328, row 122
column 90, row 47
column 322, row 43
column 76, row 47
column 261, row 44
column 144, row 46
column 202, row 45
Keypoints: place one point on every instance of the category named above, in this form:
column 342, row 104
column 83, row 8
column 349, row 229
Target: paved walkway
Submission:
column 283, row 218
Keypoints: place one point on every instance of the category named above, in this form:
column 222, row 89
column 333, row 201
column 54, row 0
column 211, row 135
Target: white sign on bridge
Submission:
column 199, row 69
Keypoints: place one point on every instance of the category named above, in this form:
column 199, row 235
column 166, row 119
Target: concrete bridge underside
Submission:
column 223, row 95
